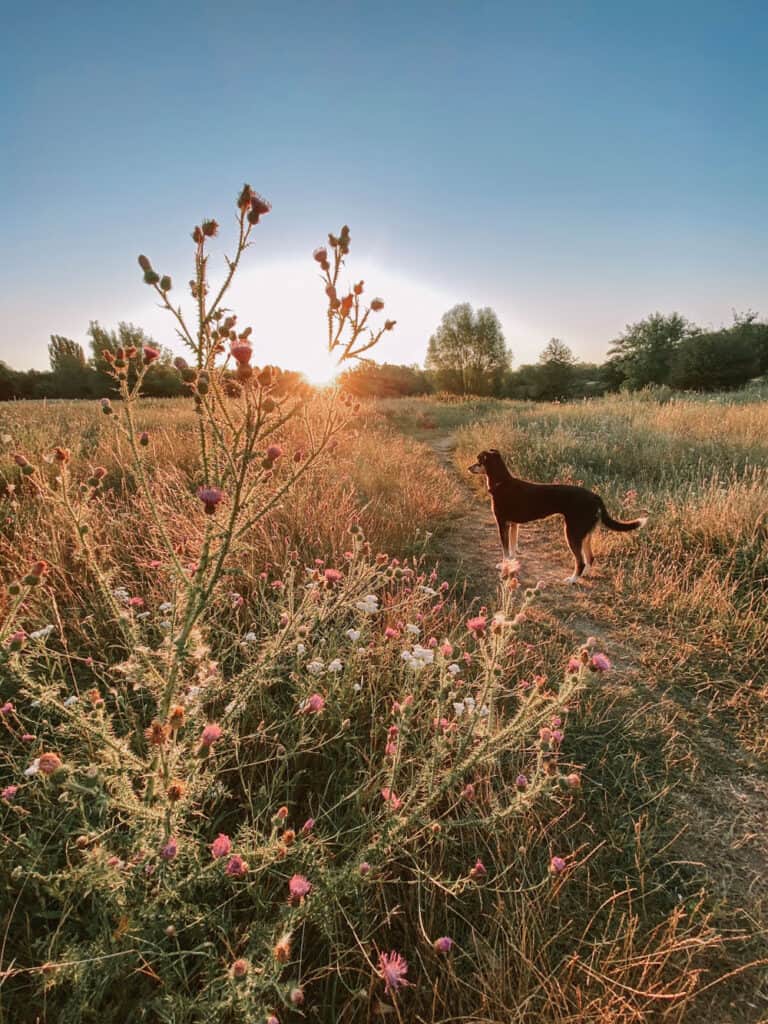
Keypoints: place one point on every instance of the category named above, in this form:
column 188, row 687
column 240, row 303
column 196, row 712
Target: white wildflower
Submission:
column 458, row 707
column 369, row 604
column 411, row 627
column 454, row 669
column 33, row 769
column 72, row 699
column 301, row 649
column 315, row 667
column 42, row 634
column 166, row 607
column 354, row 635
column 335, row 665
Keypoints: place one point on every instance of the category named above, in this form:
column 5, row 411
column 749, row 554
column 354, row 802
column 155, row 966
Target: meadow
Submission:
column 393, row 771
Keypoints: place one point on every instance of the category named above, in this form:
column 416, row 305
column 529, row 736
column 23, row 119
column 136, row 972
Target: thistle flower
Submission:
column 259, row 208
column 210, row 497
column 308, row 825
column 296, row 996
column 274, row 451
column 392, row 970
column 364, row 868
column 600, row 662
column 479, row 870
column 557, row 866
column 221, row 846
column 241, row 352
column 157, row 733
column 377, row 305
column 210, row 735
column 210, row 228
column 176, row 717
column 9, row 793
column 176, row 791
column 389, row 797
column 149, row 355
column 334, row 576
column 49, row 763
column 521, row 782
column 239, row 968
column 477, row 625
column 444, row 944
column 170, row 849
column 299, row 887
column 236, row 867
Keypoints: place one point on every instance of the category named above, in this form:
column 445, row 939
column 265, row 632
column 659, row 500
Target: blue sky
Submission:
column 574, row 165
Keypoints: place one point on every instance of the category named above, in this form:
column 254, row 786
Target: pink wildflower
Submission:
column 221, row 846
column 479, row 870
column 443, row 944
column 364, row 868
column 573, row 665
column 274, row 452
column 477, row 625
column 446, row 649
column 521, row 782
column 392, row 969
column 136, row 602
column 299, row 887
column 333, row 575
column 557, row 865
column 211, row 733
column 308, row 825
column 169, row 851
column 241, row 352
column 239, row 968
column 391, row 633
column 600, row 662
column 236, row 867
column 391, row 798
column 7, row 708
column 9, row 792
column 391, row 749
column 210, row 497
column 468, row 792
column 314, row 704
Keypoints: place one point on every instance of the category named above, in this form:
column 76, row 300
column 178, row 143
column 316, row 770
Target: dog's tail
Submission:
column 618, row 524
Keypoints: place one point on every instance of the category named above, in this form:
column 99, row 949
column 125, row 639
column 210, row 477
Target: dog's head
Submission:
column 488, row 462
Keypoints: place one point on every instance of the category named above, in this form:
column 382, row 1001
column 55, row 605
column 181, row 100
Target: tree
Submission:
column 384, row 380
column 467, row 352
column 72, row 377
column 557, row 372
column 645, row 351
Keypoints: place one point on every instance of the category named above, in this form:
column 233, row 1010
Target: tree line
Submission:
column 467, row 354
column 73, row 374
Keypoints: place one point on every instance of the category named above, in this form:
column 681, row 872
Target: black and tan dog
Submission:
column 517, row 501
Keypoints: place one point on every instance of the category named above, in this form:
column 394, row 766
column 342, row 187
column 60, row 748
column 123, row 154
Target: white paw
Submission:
column 571, row 579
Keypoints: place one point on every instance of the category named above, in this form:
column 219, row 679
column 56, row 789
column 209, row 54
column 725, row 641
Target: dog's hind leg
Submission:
column 514, row 529
column 575, row 534
column 586, row 550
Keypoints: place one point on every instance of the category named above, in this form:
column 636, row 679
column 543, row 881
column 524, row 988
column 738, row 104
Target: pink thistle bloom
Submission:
column 296, row 996
column 272, row 1019
column 210, row 497
column 407, row 700
column 557, row 736
column 136, row 602
column 600, row 662
column 545, row 735
column 149, row 354
column 27, row 737
column 278, row 585
column 241, row 352
column 479, row 870
column 557, row 722
column 211, row 734
column 574, row 665
column 557, row 865
column 432, row 642
column 9, row 792
column 391, row 633
column 282, row 813
column 391, row 798
column 7, row 708
column 236, row 867
column 446, row 649
column 477, row 625
column 169, row 851
column 333, row 575
column 364, row 868
column 308, row 825
column 468, row 792
column 521, row 782
column 221, row 846
column 391, row 749
column 299, row 887
column 274, row 452
column 392, row 969
column 239, row 968
column 443, row 944
column 314, row 704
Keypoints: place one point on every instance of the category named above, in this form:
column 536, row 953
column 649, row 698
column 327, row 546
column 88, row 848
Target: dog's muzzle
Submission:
column 477, row 468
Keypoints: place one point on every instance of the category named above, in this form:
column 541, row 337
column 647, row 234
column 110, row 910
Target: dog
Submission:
column 517, row 501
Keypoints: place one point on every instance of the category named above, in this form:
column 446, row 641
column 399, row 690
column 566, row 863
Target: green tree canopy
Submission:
column 645, row 351
column 467, row 352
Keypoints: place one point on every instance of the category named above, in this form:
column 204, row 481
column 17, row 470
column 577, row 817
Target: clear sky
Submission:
column 574, row 165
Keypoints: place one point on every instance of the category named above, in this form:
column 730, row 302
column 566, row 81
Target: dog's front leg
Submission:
column 514, row 529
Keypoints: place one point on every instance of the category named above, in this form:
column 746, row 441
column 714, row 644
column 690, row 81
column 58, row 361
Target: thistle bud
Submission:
column 210, row 228
column 165, row 283
column 203, row 383
column 265, row 378
column 358, row 289
column 377, row 305
column 320, row 255
column 259, row 208
column 151, row 277
column 130, row 352
column 107, row 356
column 17, row 640
column 149, row 355
column 144, row 439
column 268, row 405
column 389, row 324
column 180, row 363
column 244, row 199
column 106, row 407
column 144, row 263
column 197, row 236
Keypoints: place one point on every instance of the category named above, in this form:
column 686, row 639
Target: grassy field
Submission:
column 396, row 769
